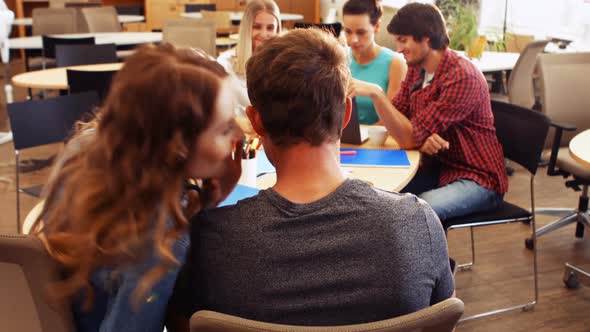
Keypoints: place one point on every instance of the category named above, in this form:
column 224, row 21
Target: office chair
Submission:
column 50, row 21
column 195, row 8
column 101, row 19
column 199, row 33
column 98, row 81
column 50, row 44
column 76, row 55
column 441, row 317
column 27, row 271
column 520, row 87
column 334, row 28
column 522, row 133
column 41, row 122
column 565, row 100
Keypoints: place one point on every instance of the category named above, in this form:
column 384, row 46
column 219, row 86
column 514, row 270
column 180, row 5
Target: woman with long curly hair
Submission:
column 114, row 216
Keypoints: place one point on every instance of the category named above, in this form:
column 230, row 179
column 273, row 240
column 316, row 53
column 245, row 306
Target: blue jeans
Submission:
column 458, row 198
column 461, row 197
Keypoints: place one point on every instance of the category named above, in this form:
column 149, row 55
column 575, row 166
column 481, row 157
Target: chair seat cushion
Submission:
column 506, row 212
column 569, row 164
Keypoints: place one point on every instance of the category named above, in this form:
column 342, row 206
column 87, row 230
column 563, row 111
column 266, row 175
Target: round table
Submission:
column 56, row 78
column 580, row 148
column 237, row 16
column 28, row 21
column 386, row 178
column 117, row 38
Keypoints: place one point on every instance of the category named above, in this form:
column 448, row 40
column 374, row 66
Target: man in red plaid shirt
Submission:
column 443, row 108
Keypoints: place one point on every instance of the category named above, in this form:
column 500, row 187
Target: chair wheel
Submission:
column 571, row 281
column 528, row 243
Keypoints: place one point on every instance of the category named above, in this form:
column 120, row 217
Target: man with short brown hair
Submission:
column 317, row 248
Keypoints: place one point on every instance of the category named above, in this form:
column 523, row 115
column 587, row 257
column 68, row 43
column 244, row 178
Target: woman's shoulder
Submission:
column 227, row 59
column 388, row 53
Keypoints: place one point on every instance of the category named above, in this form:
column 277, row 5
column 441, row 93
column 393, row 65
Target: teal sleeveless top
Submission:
column 376, row 71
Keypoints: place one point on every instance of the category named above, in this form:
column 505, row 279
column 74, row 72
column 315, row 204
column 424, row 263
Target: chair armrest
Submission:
column 559, row 129
column 563, row 126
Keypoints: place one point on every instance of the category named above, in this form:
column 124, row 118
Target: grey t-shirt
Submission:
column 357, row 255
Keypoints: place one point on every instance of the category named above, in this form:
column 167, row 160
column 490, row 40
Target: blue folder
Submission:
column 239, row 193
column 375, row 158
column 263, row 165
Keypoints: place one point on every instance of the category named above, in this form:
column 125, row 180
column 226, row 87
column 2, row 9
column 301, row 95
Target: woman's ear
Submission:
column 255, row 120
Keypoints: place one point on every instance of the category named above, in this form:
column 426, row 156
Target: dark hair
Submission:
column 298, row 84
column 419, row 21
column 359, row 7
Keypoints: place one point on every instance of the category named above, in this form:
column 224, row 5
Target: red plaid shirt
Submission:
column 456, row 106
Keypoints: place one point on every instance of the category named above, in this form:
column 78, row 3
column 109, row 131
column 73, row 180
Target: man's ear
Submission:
column 377, row 26
column 347, row 112
column 255, row 120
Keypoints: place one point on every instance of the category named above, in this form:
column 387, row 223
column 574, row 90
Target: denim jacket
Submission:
column 112, row 309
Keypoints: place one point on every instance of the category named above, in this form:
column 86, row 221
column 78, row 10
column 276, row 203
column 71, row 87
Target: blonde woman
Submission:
column 261, row 21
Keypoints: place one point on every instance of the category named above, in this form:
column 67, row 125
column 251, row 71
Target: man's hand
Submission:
column 434, row 144
column 362, row 88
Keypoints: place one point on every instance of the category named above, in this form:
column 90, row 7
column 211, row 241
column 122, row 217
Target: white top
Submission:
column 118, row 38
column 226, row 59
column 237, row 16
column 28, row 21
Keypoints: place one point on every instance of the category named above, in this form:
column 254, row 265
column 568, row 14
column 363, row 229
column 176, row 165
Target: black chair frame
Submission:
column 46, row 121
column 522, row 133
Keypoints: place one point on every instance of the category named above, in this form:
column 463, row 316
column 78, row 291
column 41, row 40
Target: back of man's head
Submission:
column 298, row 84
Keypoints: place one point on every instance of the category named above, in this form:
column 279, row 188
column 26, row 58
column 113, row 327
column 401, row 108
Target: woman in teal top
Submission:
column 370, row 62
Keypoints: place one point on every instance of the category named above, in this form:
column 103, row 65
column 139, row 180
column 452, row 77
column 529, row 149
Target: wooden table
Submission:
column 580, row 148
column 117, row 38
column 386, row 178
column 237, row 16
column 56, row 78
column 28, row 21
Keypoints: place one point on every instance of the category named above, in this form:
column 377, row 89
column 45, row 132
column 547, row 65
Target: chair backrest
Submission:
column 27, row 270
column 383, row 37
column 334, row 28
column 222, row 20
column 46, row 121
column 75, row 55
column 565, row 78
column 193, row 8
column 522, row 133
column 101, row 19
column 516, row 43
column 191, row 33
column 129, row 10
column 50, row 43
column 98, row 81
column 441, row 317
column 52, row 21
column 520, row 84
column 83, row 4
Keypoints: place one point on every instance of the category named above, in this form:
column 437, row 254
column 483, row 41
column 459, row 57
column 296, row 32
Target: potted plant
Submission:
column 462, row 22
